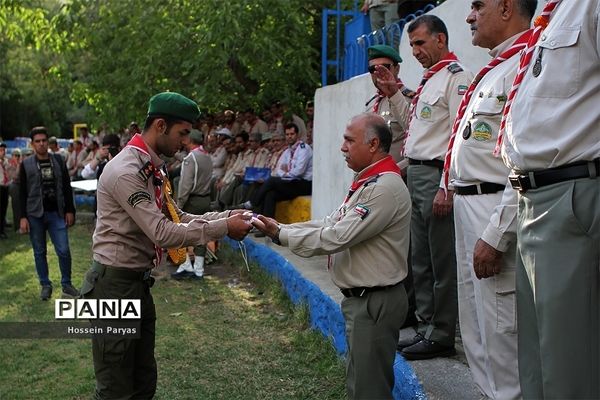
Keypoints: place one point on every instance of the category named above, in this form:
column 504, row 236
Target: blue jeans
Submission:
column 57, row 228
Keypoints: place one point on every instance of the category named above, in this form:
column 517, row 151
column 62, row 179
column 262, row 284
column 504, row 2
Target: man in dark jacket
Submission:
column 47, row 206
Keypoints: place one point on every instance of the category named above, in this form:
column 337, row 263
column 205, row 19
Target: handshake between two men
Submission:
column 241, row 222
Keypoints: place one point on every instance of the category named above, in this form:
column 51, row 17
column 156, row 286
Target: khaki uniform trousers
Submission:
column 125, row 368
column 373, row 324
column 433, row 260
column 487, row 307
column 557, row 290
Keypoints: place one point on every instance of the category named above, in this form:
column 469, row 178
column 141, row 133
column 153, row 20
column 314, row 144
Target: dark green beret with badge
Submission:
column 381, row 50
column 175, row 105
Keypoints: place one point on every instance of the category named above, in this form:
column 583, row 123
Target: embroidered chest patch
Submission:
column 362, row 210
column 482, row 132
column 138, row 197
column 426, row 112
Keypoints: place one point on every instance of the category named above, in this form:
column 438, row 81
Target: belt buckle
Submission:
column 147, row 274
column 516, row 181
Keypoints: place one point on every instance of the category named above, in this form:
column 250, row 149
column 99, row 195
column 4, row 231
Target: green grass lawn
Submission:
column 232, row 336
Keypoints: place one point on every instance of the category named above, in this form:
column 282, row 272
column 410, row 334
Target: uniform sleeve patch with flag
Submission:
column 462, row 89
column 138, row 197
column 362, row 210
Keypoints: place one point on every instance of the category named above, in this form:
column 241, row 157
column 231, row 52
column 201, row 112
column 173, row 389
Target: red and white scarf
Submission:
column 541, row 22
column 138, row 143
column 517, row 46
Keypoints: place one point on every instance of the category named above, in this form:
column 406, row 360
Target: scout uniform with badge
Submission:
column 552, row 146
column 429, row 119
column 485, row 207
column 391, row 109
column 367, row 240
column 193, row 196
column 131, row 231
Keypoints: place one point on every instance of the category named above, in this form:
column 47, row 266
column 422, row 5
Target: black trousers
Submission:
column 277, row 189
column 3, row 206
column 125, row 368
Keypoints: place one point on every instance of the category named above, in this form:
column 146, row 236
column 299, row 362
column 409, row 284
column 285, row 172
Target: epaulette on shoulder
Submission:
column 455, row 68
column 372, row 179
column 302, row 145
column 408, row 93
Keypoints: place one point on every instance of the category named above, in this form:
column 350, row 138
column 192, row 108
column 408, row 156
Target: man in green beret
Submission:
column 132, row 230
column 387, row 102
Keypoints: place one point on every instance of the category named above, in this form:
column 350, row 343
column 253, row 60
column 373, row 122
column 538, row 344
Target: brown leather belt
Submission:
column 550, row 176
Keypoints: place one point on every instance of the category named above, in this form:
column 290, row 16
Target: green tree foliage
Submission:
column 222, row 53
column 99, row 61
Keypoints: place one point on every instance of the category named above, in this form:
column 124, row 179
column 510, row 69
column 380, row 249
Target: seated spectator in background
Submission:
column 193, row 196
column 54, row 148
column 253, row 124
column 235, row 174
column 85, row 136
column 293, row 177
column 92, row 150
column 282, row 117
column 111, row 145
column 231, row 123
column 76, row 159
column 258, row 158
column 381, row 12
column 4, row 183
column 218, row 151
column 14, row 167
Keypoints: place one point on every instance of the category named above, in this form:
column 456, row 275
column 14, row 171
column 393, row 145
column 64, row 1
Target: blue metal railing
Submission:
column 355, row 51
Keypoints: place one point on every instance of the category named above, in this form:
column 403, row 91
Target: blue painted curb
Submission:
column 325, row 314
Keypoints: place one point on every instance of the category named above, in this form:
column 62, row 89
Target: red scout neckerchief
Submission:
column 200, row 149
column 384, row 166
column 138, row 143
column 517, row 46
column 541, row 22
column 381, row 96
column 443, row 63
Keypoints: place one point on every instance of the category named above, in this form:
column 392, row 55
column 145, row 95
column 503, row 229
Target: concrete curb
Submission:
column 325, row 314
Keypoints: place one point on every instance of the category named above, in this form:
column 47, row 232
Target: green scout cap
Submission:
column 171, row 104
column 382, row 50
column 196, row 136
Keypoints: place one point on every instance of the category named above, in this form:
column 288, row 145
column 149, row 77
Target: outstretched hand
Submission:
column 266, row 225
column 238, row 226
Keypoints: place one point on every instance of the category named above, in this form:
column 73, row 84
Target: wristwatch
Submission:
column 275, row 238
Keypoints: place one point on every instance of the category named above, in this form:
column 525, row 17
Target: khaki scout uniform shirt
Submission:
column 196, row 172
column 431, row 127
column 367, row 237
column 259, row 158
column 554, row 119
column 130, row 223
column 472, row 154
column 238, row 166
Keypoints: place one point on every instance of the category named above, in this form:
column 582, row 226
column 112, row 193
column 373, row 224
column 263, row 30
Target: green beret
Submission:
column 196, row 136
column 171, row 104
column 382, row 50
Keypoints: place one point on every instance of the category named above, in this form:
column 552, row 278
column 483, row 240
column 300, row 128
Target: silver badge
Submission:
column 467, row 131
column 537, row 67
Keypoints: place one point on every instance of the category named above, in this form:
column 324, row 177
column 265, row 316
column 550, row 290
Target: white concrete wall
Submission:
column 336, row 104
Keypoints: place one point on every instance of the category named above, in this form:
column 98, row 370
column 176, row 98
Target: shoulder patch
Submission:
column 408, row 93
column 302, row 145
column 454, row 68
column 362, row 210
column 138, row 197
column 462, row 89
column 146, row 171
